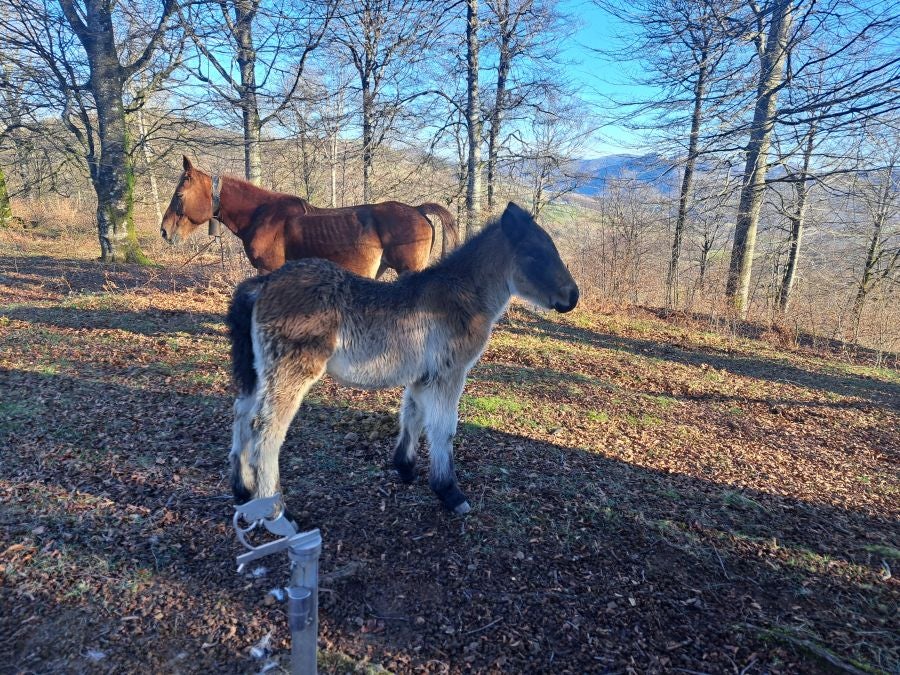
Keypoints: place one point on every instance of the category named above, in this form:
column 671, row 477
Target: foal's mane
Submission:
column 464, row 255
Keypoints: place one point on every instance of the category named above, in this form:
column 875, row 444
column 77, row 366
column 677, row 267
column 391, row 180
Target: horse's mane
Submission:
column 464, row 253
column 249, row 189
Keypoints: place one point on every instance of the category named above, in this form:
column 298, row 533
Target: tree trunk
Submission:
column 473, row 122
column 672, row 277
column 245, row 11
column 772, row 61
column 5, row 208
column 368, row 101
column 496, row 119
column 872, row 255
column 334, row 148
column 796, row 218
column 145, row 146
column 113, row 176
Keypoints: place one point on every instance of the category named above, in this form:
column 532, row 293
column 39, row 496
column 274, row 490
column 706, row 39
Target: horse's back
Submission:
column 301, row 302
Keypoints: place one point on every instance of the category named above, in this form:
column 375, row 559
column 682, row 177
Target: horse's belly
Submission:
column 380, row 372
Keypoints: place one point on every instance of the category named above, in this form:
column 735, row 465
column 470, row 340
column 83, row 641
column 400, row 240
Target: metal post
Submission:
column 303, row 601
column 303, row 549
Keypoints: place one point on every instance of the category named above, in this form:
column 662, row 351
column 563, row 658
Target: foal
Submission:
column 424, row 331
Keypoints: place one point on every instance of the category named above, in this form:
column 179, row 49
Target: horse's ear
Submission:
column 186, row 163
column 515, row 221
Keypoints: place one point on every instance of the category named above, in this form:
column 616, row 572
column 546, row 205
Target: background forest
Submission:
column 732, row 158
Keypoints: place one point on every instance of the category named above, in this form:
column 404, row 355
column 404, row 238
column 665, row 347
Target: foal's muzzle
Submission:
column 568, row 305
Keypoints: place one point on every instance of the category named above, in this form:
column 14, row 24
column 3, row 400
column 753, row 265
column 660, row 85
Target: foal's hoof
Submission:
column 406, row 472
column 462, row 509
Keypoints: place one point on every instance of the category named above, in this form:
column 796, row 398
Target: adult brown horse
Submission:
column 276, row 227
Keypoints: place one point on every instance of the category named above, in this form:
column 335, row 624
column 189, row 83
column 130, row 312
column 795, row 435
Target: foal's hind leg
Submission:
column 441, row 407
column 281, row 393
column 411, row 421
column 243, row 478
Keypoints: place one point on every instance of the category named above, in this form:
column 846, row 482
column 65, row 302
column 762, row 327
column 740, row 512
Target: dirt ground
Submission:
column 649, row 497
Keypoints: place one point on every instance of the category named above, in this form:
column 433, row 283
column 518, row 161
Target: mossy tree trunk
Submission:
column 112, row 172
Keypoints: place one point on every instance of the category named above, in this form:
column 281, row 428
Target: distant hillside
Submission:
column 650, row 168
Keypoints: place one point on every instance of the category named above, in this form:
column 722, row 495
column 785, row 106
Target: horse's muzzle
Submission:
column 567, row 306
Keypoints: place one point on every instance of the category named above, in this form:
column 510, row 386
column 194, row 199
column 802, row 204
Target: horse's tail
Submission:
column 239, row 320
column 448, row 223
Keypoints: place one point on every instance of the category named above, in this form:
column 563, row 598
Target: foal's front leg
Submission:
column 441, row 408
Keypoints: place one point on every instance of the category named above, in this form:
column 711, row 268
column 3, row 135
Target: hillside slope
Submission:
column 646, row 496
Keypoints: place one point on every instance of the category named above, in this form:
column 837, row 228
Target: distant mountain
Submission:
column 650, row 168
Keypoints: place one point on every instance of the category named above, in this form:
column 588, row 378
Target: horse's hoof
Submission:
column 462, row 509
column 406, row 472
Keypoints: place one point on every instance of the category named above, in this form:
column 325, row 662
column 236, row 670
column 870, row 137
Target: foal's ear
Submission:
column 515, row 221
column 186, row 163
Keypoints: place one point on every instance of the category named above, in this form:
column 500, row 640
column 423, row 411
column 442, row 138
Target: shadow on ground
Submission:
column 572, row 561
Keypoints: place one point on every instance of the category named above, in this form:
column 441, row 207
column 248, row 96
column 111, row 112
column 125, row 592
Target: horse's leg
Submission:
column 411, row 422
column 440, row 401
column 243, row 478
column 382, row 268
column 281, row 392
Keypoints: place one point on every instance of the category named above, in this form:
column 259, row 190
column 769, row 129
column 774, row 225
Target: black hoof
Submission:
column 451, row 497
column 406, row 470
column 241, row 494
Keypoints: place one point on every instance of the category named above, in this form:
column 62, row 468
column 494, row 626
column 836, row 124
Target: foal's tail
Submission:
column 239, row 320
column 448, row 223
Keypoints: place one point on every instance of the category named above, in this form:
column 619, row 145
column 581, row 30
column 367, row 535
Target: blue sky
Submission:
column 599, row 78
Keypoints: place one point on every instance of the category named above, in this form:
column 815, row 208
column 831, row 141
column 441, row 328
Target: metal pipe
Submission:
column 303, row 601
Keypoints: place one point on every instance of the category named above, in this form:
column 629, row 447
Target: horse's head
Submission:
column 538, row 273
column 191, row 205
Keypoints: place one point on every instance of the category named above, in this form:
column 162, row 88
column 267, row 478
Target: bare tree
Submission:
column 388, row 44
column 526, row 36
column 879, row 193
column 772, row 53
column 88, row 52
column 473, row 120
column 269, row 43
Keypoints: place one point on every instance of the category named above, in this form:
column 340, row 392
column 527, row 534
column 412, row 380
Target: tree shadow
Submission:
column 880, row 393
column 150, row 322
column 91, row 276
column 571, row 560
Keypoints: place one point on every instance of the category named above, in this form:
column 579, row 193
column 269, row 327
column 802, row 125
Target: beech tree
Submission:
column 88, row 52
column 251, row 55
column 860, row 72
column 473, row 120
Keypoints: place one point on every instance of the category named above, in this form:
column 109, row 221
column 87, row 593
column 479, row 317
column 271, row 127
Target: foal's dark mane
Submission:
column 463, row 256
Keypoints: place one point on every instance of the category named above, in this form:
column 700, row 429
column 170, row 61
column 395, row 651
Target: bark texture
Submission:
column 473, row 122
column 772, row 59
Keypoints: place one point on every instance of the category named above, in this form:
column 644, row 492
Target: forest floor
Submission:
column 648, row 496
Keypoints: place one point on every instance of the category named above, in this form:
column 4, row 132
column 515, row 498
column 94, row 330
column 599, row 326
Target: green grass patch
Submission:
column 736, row 499
column 598, row 416
column 887, row 552
column 643, row 420
column 492, row 404
column 664, row 402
